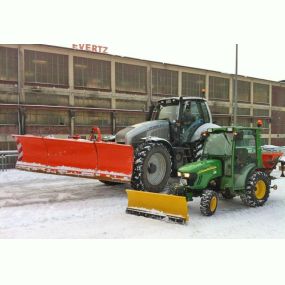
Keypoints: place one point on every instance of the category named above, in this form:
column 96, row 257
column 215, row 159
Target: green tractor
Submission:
column 231, row 165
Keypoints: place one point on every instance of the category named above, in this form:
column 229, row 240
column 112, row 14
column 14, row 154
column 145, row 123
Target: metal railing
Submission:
column 8, row 159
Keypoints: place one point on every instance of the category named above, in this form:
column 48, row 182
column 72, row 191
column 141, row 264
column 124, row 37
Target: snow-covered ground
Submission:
column 34, row 205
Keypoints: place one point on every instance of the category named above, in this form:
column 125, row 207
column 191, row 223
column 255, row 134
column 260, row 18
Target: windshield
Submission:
column 218, row 144
column 167, row 112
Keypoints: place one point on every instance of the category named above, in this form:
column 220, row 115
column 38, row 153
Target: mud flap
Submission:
column 158, row 206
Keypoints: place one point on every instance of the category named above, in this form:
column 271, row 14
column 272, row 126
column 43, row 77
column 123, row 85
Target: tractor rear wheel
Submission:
column 209, row 202
column 257, row 190
column 152, row 167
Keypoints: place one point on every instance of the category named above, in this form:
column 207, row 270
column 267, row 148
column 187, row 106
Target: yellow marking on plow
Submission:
column 153, row 203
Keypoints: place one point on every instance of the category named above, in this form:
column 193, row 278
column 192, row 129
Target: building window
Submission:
column 221, row 120
column 260, row 112
column 164, row 82
column 130, row 105
column 8, row 64
column 278, row 96
column 46, row 118
column 243, row 111
column 221, row 110
column 243, row 91
column 193, row 84
column 131, row 78
column 244, row 122
column 8, row 117
column 48, row 69
column 219, row 88
column 92, row 74
column 260, row 93
column 127, row 119
column 99, row 119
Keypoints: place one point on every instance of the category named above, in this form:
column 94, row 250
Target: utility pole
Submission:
column 235, row 89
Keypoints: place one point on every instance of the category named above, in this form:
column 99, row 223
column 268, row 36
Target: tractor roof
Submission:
column 229, row 129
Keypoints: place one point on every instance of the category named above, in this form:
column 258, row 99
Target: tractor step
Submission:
column 158, row 206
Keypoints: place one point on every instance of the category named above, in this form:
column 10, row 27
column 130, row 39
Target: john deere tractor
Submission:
column 231, row 165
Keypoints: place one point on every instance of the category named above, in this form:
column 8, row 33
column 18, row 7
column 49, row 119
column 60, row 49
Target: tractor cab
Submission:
column 239, row 151
column 185, row 115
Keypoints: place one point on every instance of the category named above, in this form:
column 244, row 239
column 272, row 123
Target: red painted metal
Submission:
column 95, row 130
column 97, row 159
column 270, row 159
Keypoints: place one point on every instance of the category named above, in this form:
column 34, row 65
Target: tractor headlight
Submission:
column 182, row 174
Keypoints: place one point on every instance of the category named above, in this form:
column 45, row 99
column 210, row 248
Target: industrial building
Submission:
column 49, row 90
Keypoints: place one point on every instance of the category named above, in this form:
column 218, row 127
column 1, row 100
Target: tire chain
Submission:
column 248, row 198
column 140, row 153
column 205, row 202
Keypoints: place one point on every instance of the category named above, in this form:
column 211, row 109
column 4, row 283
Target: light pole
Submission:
column 235, row 89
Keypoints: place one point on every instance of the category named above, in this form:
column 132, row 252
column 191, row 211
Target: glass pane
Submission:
column 130, row 78
column 218, row 144
column 164, row 82
column 219, row 88
column 245, row 156
column 193, row 84
column 92, row 73
column 8, row 64
column 260, row 93
column 243, row 92
column 46, row 68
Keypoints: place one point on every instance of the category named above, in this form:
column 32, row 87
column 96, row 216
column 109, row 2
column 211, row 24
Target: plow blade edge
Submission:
column 157, row 206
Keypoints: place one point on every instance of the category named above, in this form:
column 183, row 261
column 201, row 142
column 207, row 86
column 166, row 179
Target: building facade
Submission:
column 53, row 90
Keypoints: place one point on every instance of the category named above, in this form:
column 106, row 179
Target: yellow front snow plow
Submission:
column 158, row 206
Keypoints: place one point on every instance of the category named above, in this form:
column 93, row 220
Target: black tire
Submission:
column 257, row 190
column 152, row 167
column 110, row 183
column 209, row 202
column 228, row 195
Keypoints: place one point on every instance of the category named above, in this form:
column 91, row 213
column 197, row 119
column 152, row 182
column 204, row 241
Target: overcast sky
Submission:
column 200, row 33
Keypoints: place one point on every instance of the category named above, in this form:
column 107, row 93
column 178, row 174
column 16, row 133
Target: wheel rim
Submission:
column 213, row 204
column 156, row 169
column 260, row 189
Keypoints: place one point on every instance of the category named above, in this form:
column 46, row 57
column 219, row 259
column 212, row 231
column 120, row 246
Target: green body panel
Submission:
column 258, row 148
column 238, row 181
column 206, row 170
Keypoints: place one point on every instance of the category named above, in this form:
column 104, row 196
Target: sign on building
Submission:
column 90, row 47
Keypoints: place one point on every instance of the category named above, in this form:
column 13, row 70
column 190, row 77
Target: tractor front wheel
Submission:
column 152, row 167
column 257, row 190
column 209, row 202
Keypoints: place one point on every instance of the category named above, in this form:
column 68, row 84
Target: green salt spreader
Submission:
column 231, row 165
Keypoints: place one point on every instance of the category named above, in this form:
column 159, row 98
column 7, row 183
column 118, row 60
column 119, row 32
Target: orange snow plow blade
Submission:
column 100, row 160
column 158, row 206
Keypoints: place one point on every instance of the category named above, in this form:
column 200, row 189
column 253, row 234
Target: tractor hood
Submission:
column 202, row 166
column 133, row 134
